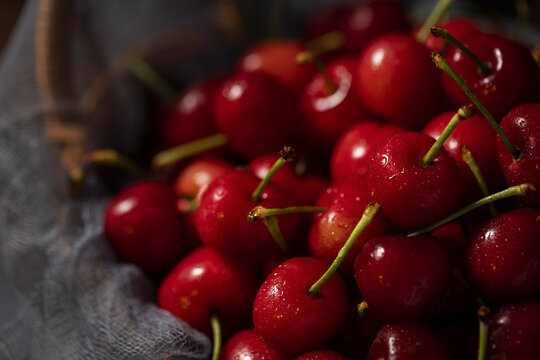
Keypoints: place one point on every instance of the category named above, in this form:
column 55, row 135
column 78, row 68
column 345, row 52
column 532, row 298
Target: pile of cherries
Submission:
column 247, row 250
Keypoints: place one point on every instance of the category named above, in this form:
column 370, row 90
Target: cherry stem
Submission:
column 286, row 154
column 310, row 57
column 463, row 113
column 216, row 334
column 468, row 158
column 272, row 225
column 372, row 209
column 330, row 41
column 113, row 158
column 259, row 212
column 520, row 190
column 436, row 14
column 362, row 308
column 482, row 67
column 483, row 323
column 150, row 77
column 173, row 155
column 441, row 63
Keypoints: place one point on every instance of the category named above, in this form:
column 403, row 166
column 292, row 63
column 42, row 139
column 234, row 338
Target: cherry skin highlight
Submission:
column 288, row 318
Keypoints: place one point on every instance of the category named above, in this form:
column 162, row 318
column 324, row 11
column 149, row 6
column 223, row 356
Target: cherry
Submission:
column 332, row 228
column 291, row 320
column 522, row 126
column 503, row 257
column 514, row 332
column 249, row 344
column 512, row 78
column 198, row 174
column 256, row 114
column 412, row 340
column 206, row 282
column 401, row 183
column 397, row 82
column 460, row 28
column 278, row 59
column 221, row 217
column 402, row 277
column 322, row 355
column 482, row 148
column 328, row 112
column 367, row 21
column 353, row 151
column 143, row 225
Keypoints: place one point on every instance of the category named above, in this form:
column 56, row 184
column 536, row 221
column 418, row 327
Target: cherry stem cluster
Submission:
column 173, row 155
column 436, row 14
column 372, row 209
column 441, row 63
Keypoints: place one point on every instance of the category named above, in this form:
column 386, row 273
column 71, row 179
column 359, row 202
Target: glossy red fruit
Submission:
column 197, row 175
column 512, row 80
column 322, row 355
column 367, row 21
column 221, row 218
column 482, row 148
column 503, row 257
column 288, row 318
column 412, row 195
column 459, row 28
column 397, row 81
column 352, row 153
column 192, row 118
column 413, row 340
column 143, row 225
column 522, row 126
column 249, row 344
column 256, row 114
column 327, row 114
column 206, row 281
column 277, row 58
column 332, row 228
column 402, row 277
column 514, row 331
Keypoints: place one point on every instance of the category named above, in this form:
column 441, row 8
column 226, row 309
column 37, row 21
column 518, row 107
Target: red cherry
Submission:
column 329, row 112
column 482, row 148
column 460, row 28
column 332, row 228
column 512, row 80
column 322, row 355
column 503, row 257
column 353, row 151
column 249, row 344
column 222, row 223
column 205, row 281
column 397, row 81
column 522, row 126
column 197, row 175
column 256, row 114
column 326, row 20
column 277, row 58
column 402, row 277
column 514, row 331
column 412, row 195
column 192, row 118
column 367, row 21
column 143, row 225
column 413, row 340
column 288, row 318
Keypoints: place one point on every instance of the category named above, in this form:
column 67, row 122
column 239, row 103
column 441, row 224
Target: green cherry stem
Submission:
column 463, row 113
column 272, row 225
column 113, row 158
column 441, row 63
column 468, row 158
column 330, row 41
column 149, row 76
column 483, row 323
column 436, row 14
column 173, row 155
column 216, row 334
column 518, row 190
column 286, row 154
column 481, row 66
column 372, row 209
column 259, row 212
column 310, row 57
